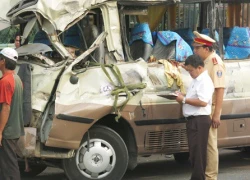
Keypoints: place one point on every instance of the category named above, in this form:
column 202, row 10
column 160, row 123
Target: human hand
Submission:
column 179, row 98
column 151, row 59
column 215, row 121
column 179, row 93
column 182, row 65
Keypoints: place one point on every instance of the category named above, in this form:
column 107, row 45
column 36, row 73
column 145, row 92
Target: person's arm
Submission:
column 191, row 101
column 219, row 92
column 218, row 77
column 4, row 116
column 196, row 102
column 179, row 92
column 182, row 65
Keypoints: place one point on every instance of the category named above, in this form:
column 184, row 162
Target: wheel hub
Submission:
column 97, row 160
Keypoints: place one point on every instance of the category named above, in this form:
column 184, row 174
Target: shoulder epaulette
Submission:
column 214, row 61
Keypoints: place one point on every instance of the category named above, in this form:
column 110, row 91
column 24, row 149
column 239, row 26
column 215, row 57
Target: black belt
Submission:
column 192, row 117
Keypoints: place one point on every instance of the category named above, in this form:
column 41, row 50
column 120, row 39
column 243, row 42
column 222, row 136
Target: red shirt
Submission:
column 7, row 86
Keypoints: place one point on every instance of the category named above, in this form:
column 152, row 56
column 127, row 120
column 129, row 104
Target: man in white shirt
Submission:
column 196, row 110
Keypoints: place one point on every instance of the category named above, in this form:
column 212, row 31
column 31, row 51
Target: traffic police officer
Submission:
column 203, row 47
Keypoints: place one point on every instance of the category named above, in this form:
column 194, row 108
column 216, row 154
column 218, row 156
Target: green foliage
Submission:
column 8, row 34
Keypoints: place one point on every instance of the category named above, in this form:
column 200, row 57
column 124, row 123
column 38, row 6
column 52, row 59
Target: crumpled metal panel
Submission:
column 91, row 86
column 35, row 48
column 5, row 7
column 90, row 98
column 63, row 12
column 112, row 27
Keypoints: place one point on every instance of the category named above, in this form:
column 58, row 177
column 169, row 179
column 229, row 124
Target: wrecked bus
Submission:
column 92, row 76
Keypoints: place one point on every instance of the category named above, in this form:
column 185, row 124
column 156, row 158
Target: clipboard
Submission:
column 171, row 96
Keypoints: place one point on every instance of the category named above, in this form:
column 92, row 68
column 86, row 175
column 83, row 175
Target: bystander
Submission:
column 11, row 115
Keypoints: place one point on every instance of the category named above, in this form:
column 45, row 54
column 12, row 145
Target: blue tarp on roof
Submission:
column 238, row 46
column 186, row 34
column 142, row 32
column 183, row 50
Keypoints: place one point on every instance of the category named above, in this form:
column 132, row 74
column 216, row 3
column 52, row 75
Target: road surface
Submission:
column 233, row 165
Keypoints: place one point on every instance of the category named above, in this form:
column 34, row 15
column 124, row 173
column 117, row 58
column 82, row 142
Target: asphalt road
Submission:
column 234, row 165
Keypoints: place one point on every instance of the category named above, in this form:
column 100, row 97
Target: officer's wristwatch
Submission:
column 183, row 100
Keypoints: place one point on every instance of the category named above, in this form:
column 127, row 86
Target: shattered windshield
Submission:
column 37, row 46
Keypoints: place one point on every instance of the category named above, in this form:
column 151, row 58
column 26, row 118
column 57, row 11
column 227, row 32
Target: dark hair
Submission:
column 14, row 39
column 195, row 61
column 9, row 63
column 210, row 48
column 17, row 34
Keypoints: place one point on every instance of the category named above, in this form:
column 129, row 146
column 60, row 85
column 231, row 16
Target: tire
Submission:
column 181, row 157
column 107, row 158
column 245, row 149
column 35, row 169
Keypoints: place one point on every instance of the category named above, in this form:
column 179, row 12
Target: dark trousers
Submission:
column 197, row 133
column 9, row 169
